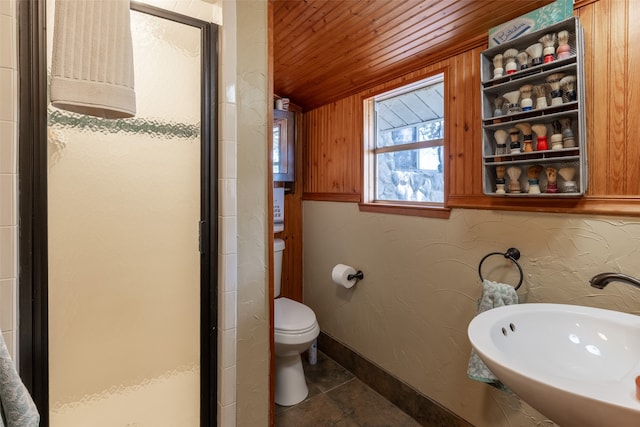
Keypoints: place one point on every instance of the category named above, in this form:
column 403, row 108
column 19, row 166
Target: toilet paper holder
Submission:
column 359, row 275
column 345, row 275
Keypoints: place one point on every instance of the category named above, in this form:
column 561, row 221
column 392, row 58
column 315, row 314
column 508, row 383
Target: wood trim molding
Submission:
column 577, row 4
column 423, row 211
column 604, row 205
column 332, row 197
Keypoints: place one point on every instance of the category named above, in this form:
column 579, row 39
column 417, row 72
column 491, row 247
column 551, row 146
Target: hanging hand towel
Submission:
column 16, row 406
column 493, row 295
column 92, row 60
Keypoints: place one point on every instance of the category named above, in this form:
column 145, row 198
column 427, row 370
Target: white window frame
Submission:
column 370, row 201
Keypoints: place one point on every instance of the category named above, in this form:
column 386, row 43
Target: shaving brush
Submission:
column 568, row 140
column 549, row 43
column 563, row 50
column 526, row 103
column 535, row 52
column 514, row 135
column 568, row 85
column 500, row 181
column 568, row 173
column 512, row 101
column 514, row 172
column 541, row 134
column 498, row 102
column 552, row 186
column 523, row 60
column 554, row 84
column 532, row 175
column 501, row 141
column 498, row 71
column 556, row 136
column 540, row 92
column 510, row 56
column 527, row 137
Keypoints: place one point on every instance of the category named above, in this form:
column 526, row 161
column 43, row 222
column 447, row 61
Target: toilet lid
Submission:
column 291, row 316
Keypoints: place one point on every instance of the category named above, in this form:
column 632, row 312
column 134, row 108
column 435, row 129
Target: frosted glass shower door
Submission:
column 124, row 262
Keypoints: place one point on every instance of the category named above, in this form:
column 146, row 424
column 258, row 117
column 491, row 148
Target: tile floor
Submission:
column 337, row 398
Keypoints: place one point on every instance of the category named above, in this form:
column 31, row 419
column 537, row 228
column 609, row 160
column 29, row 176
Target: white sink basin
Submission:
column 576, row 365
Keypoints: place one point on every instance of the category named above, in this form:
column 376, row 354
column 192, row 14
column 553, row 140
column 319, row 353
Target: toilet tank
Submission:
column 278, row 250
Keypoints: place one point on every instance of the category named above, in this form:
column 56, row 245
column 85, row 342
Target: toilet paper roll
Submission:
column 340, row 275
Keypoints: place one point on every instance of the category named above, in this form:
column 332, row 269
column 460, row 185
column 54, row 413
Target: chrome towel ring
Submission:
column 513, row 254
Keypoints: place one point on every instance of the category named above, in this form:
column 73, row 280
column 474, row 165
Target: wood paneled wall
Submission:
column 612, row 38
column 292, row 234
column 464, row 121
column 332, row 165
column 332, row 134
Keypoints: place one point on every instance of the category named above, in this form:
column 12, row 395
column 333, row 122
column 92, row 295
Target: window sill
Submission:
column 397, row 209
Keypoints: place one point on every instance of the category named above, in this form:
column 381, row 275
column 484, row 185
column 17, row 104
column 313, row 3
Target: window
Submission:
column 404, row 145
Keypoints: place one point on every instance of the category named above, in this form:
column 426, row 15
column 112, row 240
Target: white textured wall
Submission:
column 8, row 174
column 411, row 312
column 253, row 360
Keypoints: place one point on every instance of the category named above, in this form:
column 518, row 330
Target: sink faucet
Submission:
column 603, row 279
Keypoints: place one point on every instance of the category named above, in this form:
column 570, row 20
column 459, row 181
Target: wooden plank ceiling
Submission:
column 325, row 50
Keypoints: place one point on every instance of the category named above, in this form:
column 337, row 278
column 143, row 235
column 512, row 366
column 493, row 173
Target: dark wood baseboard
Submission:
column 424, row 410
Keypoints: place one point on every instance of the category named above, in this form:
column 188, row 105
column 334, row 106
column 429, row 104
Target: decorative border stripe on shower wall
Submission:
column 60, row 118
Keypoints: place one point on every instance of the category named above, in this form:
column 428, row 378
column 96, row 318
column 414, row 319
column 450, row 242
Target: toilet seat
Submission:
column 292, row 318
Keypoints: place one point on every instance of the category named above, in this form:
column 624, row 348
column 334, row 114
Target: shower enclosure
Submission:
column 131, row 251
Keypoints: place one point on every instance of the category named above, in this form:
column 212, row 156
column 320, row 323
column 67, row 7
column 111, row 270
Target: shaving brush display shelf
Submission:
column 491, row 91
column 560, row 170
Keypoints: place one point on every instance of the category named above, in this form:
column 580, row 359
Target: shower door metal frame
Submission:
column 33, row 340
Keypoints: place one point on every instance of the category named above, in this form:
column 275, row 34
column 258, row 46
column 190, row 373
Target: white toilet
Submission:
column 295, row 328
